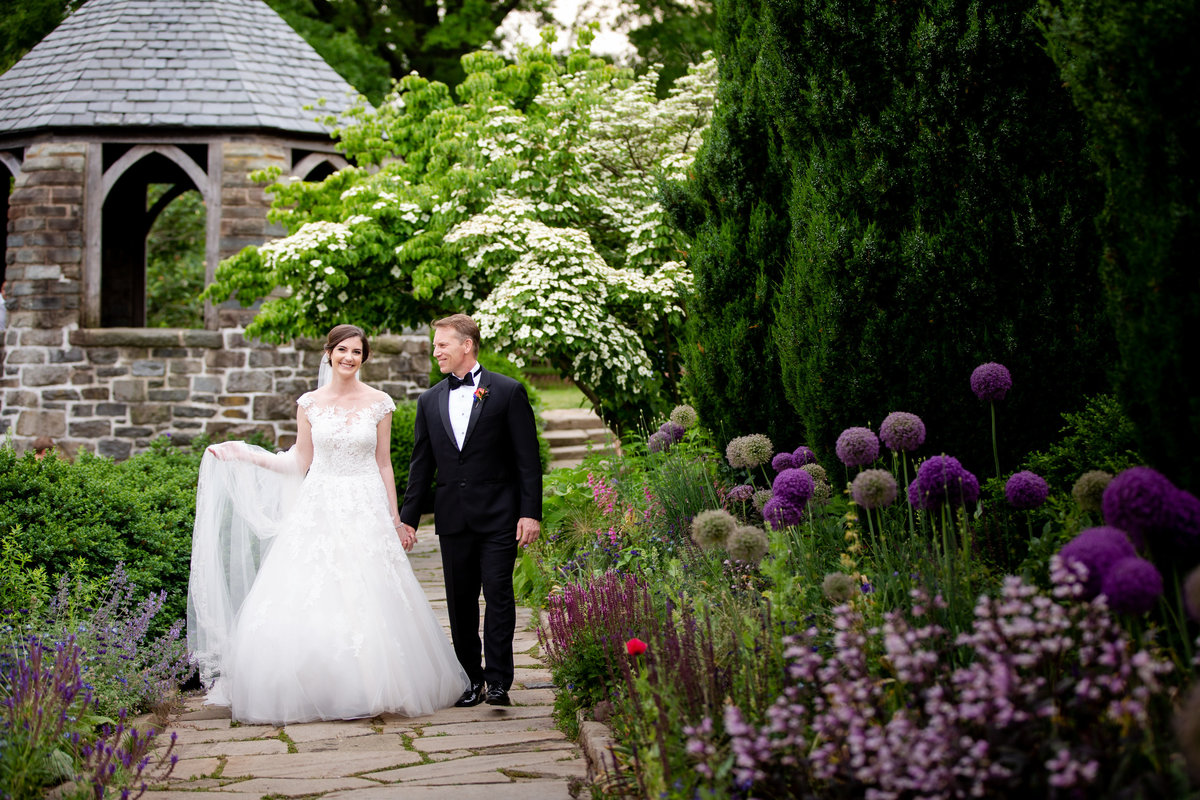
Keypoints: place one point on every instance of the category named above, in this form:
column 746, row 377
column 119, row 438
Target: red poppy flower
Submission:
column 635, row 647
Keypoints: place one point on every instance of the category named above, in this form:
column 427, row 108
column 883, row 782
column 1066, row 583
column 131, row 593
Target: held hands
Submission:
column 408, row 536
column 527, row 530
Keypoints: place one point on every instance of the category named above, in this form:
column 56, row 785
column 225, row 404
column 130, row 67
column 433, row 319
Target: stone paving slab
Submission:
column 188, row 768
column 473, row 778
column 388, row 742
column 315, row 731
column 184, row 736
column 499, row 725
column 532, row 697
column 252, row 747
column 479, row 713
column 296, row 787
column 524, row 762
column 316, row 765
column 517, row 790
column 485, row 741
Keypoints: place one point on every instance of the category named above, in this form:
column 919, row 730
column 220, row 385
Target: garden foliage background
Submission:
column 852, row 541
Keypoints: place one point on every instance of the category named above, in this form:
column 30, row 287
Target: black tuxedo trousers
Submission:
column 481, row 492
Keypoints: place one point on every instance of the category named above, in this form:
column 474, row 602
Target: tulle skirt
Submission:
column 336, row 625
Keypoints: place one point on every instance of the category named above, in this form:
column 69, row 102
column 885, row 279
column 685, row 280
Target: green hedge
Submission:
column 1131, row 70
column 95, row 513
column 893, row 194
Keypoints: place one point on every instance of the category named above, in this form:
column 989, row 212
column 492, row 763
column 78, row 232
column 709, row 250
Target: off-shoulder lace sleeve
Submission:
column 305, row 401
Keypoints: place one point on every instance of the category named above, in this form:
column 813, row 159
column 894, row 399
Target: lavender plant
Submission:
column 47, row 726
column 125, row 665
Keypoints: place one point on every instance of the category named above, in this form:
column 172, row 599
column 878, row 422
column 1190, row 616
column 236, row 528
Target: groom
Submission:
column 475, row 431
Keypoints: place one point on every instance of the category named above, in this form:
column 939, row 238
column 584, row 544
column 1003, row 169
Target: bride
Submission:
column 302, row 604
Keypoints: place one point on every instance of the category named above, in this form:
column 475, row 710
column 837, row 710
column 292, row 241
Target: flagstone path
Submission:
column 455, row 754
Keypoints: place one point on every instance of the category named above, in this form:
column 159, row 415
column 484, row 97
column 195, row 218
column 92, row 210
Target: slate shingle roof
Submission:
column 170, row 63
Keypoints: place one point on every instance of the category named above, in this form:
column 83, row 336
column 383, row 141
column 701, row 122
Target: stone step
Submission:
column 571, row 418
column 577, row 451
column 566, row 437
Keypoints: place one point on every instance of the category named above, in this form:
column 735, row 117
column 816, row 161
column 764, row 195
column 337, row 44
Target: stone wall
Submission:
column 113, row 390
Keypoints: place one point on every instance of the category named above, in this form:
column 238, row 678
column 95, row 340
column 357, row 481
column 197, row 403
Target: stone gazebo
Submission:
column 127, row 93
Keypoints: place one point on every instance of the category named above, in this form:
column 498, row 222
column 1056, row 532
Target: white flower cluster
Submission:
column 312, row 237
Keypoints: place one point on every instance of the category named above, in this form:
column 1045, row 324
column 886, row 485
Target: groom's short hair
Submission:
column 463, row 325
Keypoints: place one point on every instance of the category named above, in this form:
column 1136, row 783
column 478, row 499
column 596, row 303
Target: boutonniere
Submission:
column 481, row 394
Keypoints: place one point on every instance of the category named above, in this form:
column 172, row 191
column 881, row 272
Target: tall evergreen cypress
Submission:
column 736, row 212
column 1131, row 70
column 940, row 215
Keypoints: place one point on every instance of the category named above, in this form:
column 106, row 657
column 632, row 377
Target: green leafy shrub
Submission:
column 93, row 514
column 403, row 422
column 1100, row 436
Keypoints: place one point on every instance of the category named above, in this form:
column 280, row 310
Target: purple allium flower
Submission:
column 671, row 430
column 902, row 431
column 803, row 455
column 742, row 493
column 780, row 513
column 1026, row 490
column 712, row 528
column 657, row 443
column 783, row 461
column 943, row 479
column 991, row 381
column 748, row 543
column 1097, row 549
column 1139, row 501
column 684, row 416
column 1191, row 593
column 793, row 486
column 1088, row 491
column 1132, row 585
column 1184, row 524
column 857, row 447
column 873, row 488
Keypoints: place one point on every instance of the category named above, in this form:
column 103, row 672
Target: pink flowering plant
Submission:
column 1043, row 695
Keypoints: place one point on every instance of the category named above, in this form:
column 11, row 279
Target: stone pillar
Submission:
column 45, row 242
column 244, row 206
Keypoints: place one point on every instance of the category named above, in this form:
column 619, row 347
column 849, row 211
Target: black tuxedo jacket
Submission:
column 497, row 477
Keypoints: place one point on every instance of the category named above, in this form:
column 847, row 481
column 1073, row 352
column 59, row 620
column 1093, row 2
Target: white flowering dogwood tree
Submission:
column 527, row 198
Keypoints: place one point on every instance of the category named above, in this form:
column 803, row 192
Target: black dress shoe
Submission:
column 498, row 696
column 473, row 696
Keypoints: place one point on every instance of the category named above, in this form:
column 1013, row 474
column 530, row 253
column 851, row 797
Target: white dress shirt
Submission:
column 462, row 400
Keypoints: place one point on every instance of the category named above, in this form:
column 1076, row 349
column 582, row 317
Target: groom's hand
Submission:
column 408, row 536
column 527, row 530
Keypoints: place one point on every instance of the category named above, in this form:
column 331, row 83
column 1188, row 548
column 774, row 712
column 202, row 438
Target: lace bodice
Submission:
column 344, row 438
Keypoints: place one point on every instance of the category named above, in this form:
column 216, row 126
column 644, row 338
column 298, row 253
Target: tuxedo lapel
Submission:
column 443, row 404
column 485, row 381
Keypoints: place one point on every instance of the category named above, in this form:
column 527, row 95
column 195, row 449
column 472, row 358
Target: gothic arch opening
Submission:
column 312, row 166
column 9, row 167
column 141, row 185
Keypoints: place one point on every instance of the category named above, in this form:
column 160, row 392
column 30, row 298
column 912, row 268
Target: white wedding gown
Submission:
column 334, row 625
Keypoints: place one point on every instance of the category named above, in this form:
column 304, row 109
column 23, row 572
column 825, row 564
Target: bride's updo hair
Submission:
column 341, row 333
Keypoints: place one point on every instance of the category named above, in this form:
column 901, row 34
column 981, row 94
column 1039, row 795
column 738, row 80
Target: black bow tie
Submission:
column 466, row 380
